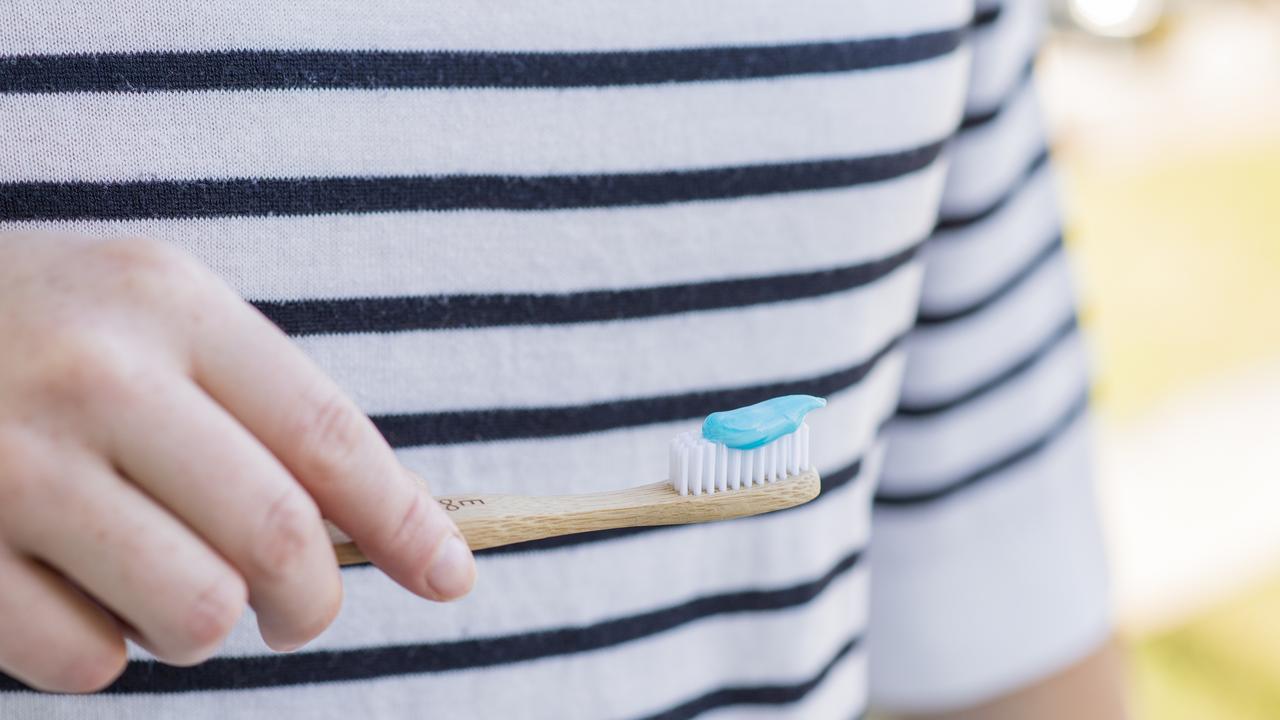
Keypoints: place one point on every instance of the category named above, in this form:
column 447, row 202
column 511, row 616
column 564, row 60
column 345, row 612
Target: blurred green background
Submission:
column 1168, row 140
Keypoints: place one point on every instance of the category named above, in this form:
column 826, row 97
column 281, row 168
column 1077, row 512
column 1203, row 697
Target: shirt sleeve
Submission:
column 988, row 568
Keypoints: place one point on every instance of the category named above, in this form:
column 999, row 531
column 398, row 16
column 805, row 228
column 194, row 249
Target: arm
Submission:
column 1091, row 688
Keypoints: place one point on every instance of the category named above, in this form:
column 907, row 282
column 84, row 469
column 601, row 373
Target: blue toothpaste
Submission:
column 759, row 424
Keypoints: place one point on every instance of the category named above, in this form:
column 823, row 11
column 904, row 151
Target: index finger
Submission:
column 334, row 450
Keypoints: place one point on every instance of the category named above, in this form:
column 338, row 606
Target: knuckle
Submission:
column 135, row 254
column 332, row 435
column 20, row 464
column 149, row 268
column 290, row 525
column 209, row 619
column 412, row 526
column 80, row 363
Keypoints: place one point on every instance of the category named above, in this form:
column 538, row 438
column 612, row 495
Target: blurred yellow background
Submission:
column 1169, row 150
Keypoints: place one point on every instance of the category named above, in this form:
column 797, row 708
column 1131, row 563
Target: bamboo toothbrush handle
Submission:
column 491, row 520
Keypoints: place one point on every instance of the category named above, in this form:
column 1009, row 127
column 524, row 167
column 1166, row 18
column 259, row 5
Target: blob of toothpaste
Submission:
column 760, row 424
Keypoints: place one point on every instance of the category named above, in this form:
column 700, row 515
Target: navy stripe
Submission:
column 330, row 195
column 239, row 673
column 444, row 312
column 460, row 426
column 735, row 695
column 978, row 119
column 1064, row 330
column 986, row 15
column 1050, row 251
column 830, row 482
column 956, row 222
column 973, row 120
column 1059, row 427
column 369, row 69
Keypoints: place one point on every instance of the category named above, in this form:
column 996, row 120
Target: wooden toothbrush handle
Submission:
column 492, row 520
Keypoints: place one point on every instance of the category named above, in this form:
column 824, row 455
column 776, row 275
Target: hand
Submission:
column 165, row 456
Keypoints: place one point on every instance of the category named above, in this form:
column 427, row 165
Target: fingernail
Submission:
column 453, row 571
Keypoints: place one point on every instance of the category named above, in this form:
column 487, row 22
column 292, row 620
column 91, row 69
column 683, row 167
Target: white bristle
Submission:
column 709, row 468
column 804, row 446
column 695, row 472
column 698, row 466
column 792, row 458
column 682, row 461
column 722, row 468
column 784, row 462
column 673, row 467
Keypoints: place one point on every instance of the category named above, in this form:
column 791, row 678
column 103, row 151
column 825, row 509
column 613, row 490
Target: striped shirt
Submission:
column 534, row 240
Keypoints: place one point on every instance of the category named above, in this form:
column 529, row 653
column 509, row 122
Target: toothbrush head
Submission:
column 738, row 449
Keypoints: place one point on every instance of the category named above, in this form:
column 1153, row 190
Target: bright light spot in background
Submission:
column 1117, row 18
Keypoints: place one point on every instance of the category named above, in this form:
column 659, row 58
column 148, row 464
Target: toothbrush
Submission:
column 747, row 461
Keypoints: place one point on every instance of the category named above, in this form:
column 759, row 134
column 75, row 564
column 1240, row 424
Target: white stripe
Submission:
column 523, row 366
column 927, row 452
column 98, row 137
column 990, row 161
column 68, row 26
column 431, row 253
column 964, row 266
column 950, row 359
column 998, row 586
